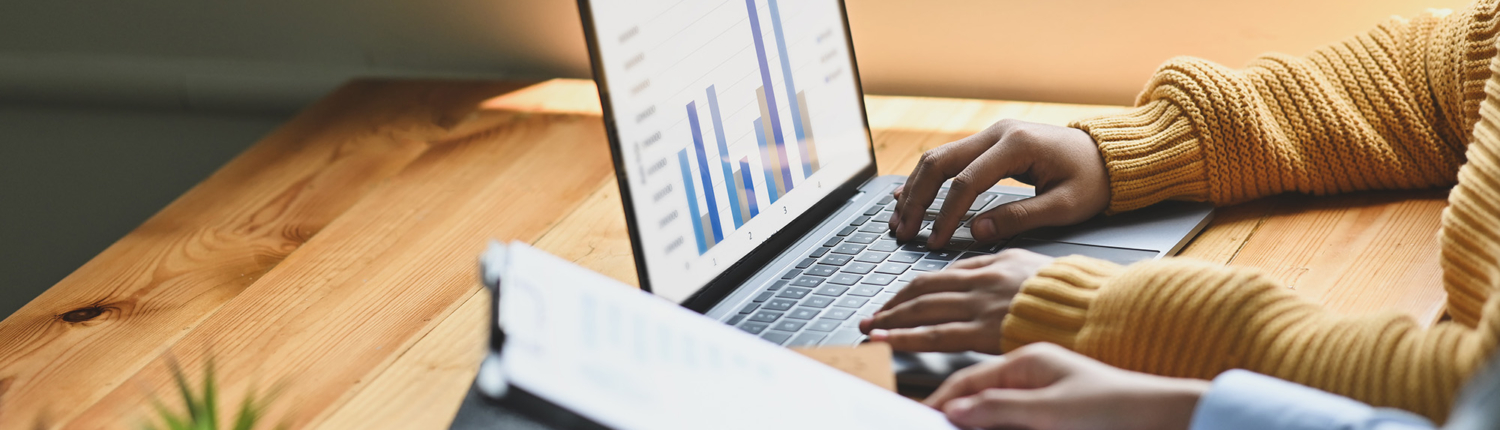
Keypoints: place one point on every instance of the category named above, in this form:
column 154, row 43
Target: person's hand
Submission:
column 957, row 309
column 1046, row 387
column 1063, row 163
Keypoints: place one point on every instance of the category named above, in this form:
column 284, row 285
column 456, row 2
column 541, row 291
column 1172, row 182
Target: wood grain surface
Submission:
column 337, row 256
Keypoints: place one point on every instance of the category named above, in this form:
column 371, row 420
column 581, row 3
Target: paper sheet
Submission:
column 629, row 360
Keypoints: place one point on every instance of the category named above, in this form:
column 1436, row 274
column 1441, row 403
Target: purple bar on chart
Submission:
column 708, row 183
column 777, row 159
column 736, row 202
column 801, row 124
column 767, row 95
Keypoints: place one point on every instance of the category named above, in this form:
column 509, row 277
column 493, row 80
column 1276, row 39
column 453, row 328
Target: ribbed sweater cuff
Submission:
column 1152, row 153
column 1053, row 305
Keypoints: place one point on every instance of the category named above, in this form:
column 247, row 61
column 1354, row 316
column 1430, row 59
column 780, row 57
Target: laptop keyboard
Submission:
column 857, row 270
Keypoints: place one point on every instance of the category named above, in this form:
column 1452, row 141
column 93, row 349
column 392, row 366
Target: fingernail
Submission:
column 985, row 228
column 879, row 335
column 960, row 406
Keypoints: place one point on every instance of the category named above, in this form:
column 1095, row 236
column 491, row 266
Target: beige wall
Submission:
column 281, row 53
column 1093, row 51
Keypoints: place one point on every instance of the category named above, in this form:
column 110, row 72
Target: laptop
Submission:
column 748, row 176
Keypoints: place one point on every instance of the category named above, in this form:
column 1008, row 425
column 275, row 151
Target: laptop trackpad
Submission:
column 1059, row 249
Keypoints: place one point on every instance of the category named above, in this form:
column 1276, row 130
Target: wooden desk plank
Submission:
column 203, row 249
column 390, row 268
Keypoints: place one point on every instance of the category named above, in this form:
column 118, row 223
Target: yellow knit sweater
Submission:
column 1411, row 104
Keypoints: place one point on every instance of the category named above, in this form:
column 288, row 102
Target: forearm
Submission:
column 1187, row 319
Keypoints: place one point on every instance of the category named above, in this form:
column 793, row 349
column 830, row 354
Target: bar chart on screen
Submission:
column 728, row 94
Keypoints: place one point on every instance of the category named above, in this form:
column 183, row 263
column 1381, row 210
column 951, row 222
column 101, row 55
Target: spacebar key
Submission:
column 845, row 337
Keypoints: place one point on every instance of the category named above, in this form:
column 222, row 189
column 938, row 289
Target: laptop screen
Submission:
column 731, row 118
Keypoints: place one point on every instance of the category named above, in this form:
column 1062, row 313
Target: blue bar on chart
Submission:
column 749, row 186
column 737, row 206
column 712, row 222
column 774, row 189
column 801, row 123
column 767, row 97
column 692, row 200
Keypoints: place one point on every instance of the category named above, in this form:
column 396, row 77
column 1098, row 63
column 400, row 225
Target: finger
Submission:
column 936, row 166
column 975, row 262
column 948, row 337
column 998, row 407
column 934, row 282
column 1003, row 159
column 936, row 308
column 1032, row 366
column 1049, row 208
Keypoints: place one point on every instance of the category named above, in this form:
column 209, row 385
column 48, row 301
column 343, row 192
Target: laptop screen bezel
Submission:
column 737, row 273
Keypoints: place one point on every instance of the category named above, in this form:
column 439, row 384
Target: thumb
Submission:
column 1050, row 208
column 997, row 407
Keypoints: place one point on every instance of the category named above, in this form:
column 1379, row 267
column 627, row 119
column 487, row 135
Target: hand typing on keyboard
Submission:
column 956, row 309
column 1063, row 163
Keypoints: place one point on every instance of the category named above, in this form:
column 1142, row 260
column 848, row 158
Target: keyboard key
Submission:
column 763, row 296
column 807, row 282
column 831, row 290
column 824, row 325
column 780, row 304
column 871, row 257
column 958, row 244
column 833, row 241
column 849, row 302
column 794, row 293
column 982, row 200
column 892, row 268
column 847, row 231
column 807, row 339
column 862, row 238
column 777, row 286
column 749, row 308
column 865, row 290
column 883, row 298
column 822, row 270
column 939, row 255
column 970, row 254
column 885, row 200
column 838, row 313
column 845, row 337
column 817, row 301
column 789, row 325
column 896, row 287
column 844, row 279
column 806, row 262
column 873, row 227
column 791, row 274
column 860, row 268
column 754, row 327
column 873, row 210
column 838, row 259
column 885, row 246
column 905, row 257
column 883, row 217
column 929, row 265
column 868, row 310
column 915, row 246
column 860, row 221
column 989, row 249
column 818, row 252
column 849, row 248
column 735, row 319
column 776, row 337
column 879, row 279
column 765, row 316
column 803, row 314
column 908, row 277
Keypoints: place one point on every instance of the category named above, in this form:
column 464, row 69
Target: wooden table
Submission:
column 337, row 255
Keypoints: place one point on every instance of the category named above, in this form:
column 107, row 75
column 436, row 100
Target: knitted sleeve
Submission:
column 1388, row 109
column 1190, row 319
